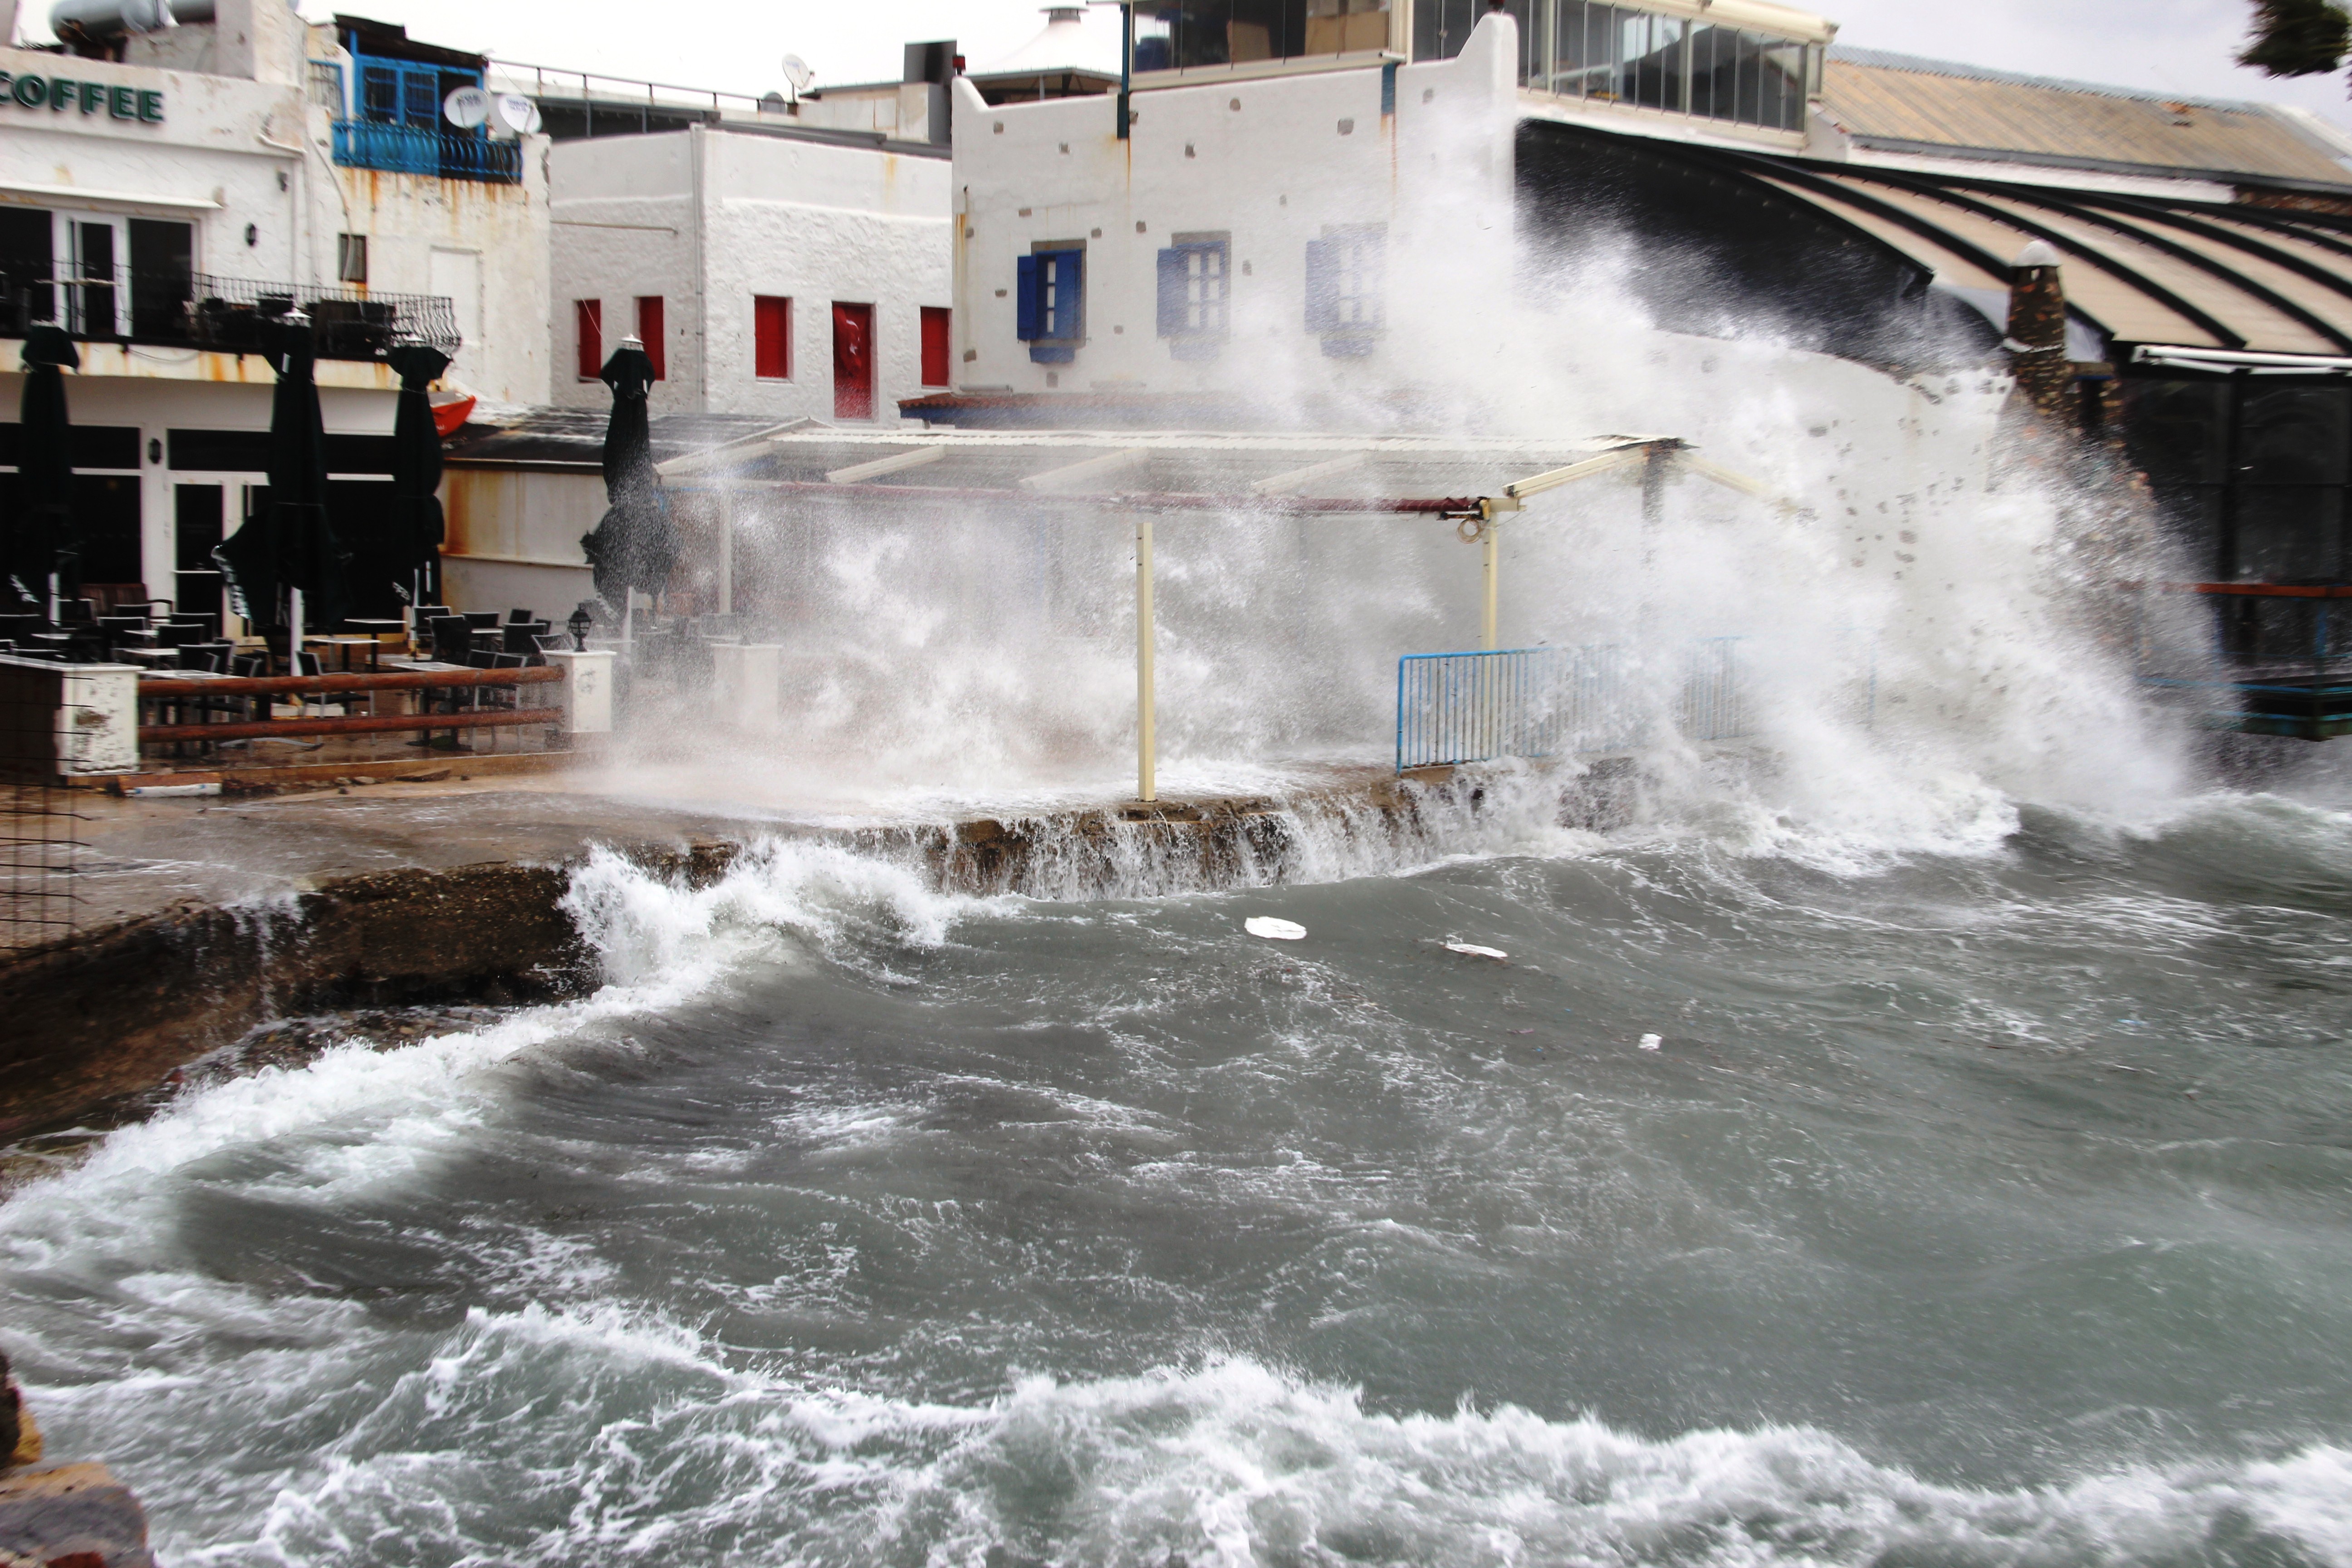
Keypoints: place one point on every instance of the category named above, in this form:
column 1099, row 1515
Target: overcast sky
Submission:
column 2167, row 46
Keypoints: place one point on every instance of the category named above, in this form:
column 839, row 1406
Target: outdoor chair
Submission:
column 519, row 617
column 452, row 639
column 524, row 637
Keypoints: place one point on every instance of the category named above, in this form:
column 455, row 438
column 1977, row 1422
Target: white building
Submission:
column 1287, row 179
column 163, row 194
column 770, row 267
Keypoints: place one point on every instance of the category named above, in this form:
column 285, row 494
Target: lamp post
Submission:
column 578, row 624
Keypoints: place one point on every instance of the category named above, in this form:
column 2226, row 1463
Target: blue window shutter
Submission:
column 1322, row 287
column 1069, row 291
column 1031, row 292
column 1171, row 293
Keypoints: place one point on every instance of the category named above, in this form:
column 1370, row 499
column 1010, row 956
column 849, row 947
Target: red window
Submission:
column 649, row 332
column 936, row 319
column 771, row 338
column 588, row 318
column 853, row 362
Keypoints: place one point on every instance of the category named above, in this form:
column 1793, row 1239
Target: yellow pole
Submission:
column 1147, row 786
column 1493, row 569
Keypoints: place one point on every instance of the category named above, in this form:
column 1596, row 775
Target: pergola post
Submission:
column 726, row 549
column 1494, row 542
column 1147, row 739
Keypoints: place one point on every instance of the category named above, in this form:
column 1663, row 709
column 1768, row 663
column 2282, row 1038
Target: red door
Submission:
column 853, row 362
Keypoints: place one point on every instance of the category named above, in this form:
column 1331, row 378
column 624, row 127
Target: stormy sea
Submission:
column 1969, row 1184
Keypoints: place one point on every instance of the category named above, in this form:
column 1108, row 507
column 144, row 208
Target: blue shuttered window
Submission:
column 1347, row 282
column 1051, row 310
column 1195, row 297
column 1027, row 300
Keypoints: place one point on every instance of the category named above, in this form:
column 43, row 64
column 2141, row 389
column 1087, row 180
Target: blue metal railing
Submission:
column 411, row 150
column 1542, row 702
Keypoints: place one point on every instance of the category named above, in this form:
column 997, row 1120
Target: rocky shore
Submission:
column 60, row 1515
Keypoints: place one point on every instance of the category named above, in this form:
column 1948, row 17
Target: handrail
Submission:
column 2248, row 590
column 396, row 680
column 356, row 724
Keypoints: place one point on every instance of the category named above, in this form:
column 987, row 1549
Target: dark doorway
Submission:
column 196, row 515
column 853, row 362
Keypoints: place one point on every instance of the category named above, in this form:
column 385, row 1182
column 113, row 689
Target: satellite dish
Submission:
column 797, row 72
column 515, row 114
column 467, row 107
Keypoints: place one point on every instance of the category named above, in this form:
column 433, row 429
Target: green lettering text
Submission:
column 151, row 107
column 61, row 92
column 122, row 103
column 93, row 95
column 29, row 90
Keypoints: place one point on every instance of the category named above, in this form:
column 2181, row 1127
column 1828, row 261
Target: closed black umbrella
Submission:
column 417, row 524
column 634, row 545
column 291, row 545
column 43, row 537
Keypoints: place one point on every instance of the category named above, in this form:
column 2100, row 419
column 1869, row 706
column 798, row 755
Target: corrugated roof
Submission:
column 1902, row 103
column 2138, row 269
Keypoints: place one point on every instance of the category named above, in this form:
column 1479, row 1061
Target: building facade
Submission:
column 769, row 268
column 164, row 194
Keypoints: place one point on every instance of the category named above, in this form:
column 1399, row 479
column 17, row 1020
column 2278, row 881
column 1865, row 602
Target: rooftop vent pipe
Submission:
column 96, row 19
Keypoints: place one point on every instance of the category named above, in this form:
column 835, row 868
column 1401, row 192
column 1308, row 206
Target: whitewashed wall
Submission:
column 710, row 218
column 1273, row 160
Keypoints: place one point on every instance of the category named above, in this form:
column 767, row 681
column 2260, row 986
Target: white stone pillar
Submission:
column 98, row 719
column 586, row 694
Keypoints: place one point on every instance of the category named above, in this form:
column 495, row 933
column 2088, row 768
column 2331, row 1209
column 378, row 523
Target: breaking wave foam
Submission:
column 656, row 1452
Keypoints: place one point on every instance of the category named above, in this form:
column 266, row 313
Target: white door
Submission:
column 458, row 277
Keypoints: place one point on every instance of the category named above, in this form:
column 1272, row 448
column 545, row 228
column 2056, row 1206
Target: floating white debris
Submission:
column 1274, row 930
column 1652, row 1042
column 1475, row 951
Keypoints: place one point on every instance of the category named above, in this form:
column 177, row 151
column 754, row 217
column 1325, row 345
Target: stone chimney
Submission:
column 2037, row 329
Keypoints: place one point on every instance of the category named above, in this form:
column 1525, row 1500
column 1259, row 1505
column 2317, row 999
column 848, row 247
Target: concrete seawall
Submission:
column 116, row 1011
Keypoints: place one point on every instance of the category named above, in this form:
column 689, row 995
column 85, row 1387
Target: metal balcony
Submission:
column 224, row 315
column 412, row 150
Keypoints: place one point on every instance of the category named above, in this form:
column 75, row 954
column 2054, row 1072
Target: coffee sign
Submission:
column 62, row 93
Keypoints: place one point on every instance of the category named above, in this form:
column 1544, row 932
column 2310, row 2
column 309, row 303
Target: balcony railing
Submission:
column 412, row 150
column 225, row 315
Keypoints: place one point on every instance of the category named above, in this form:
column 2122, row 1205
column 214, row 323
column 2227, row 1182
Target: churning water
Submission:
column 1986, row 1198
column 1928, row 1151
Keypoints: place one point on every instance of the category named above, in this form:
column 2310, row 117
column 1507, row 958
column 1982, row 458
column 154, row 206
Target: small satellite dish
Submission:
column 467, row 107
column 797, row 72
column 514, row 114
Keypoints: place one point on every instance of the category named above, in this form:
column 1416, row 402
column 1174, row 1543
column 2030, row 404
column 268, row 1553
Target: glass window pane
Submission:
column 1749, row 111
column 1653, row 60
column 1784, row 87
column 2295, row 435
column 2289, row 533
column 2178, row 431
